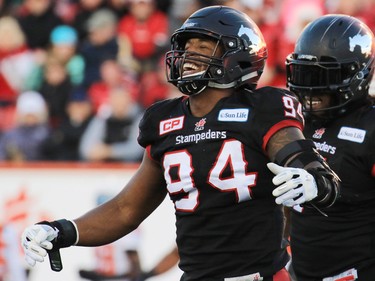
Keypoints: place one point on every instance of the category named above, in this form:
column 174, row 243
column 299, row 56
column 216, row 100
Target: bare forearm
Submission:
column 102, row 225
column 126, row 211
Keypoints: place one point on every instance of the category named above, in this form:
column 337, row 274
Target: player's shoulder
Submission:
column 368, row 118
column 365, row 113
column 153, row 116
column 161, row 110
column 269, row 92
column 270, row 98
column 163, row 107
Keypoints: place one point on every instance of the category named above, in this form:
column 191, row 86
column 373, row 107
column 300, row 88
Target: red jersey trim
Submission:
column 148, row 151
column 279, row 126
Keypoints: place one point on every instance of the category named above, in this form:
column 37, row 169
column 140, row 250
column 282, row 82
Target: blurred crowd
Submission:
column 76, row 75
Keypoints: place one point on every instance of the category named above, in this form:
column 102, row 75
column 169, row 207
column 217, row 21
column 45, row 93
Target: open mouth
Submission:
column 314, row 102
column 189, row 69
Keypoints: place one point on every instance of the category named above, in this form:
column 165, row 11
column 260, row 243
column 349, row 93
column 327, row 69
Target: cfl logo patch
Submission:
column 170, row 125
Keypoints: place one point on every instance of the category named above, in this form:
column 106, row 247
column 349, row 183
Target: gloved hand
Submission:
column 48, row 237
column 36, row 240
column 295, row 186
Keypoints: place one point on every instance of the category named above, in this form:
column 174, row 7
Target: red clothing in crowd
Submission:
column 145, row 36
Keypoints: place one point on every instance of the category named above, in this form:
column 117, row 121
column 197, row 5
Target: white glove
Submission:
column 295, row 186
column 36, row 239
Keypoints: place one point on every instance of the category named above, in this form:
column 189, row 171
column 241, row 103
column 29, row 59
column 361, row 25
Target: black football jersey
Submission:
column 215, row 168
column 325, row 246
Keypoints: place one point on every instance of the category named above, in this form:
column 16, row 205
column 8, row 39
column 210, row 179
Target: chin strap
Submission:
column 195, row 85
column 192, row 86
column 233, row 84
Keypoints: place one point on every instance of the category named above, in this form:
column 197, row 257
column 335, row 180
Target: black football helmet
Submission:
column 244, row 51
column 333, row 55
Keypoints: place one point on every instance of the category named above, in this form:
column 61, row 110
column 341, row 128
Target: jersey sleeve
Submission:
column 148, row 126
column 277, row 109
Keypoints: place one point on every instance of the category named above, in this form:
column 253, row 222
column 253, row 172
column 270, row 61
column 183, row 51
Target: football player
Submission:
column 209, row 151
column 330, row 70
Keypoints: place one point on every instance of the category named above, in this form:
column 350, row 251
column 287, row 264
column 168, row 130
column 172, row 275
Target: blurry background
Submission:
column 30, row 194
column 75, row 78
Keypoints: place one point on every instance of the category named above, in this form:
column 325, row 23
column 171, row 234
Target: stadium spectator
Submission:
column 16, row 63
column 37, row 19
column 63, row 47
column 63, row 142
column 154, row 87
column 25, row 142
column 112, row 76
column 55, row 89
column 66, row 10
column 85, row 9
column 147, row 30
column 119, row 7
column 100, row 44
column 112, row 133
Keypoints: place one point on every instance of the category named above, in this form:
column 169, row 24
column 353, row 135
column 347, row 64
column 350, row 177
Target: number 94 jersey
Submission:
column 215, row 170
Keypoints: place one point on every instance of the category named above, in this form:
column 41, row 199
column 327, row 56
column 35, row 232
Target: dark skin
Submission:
column 147, row 189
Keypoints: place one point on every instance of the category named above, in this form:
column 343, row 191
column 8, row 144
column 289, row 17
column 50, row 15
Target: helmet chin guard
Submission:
column 191, row 84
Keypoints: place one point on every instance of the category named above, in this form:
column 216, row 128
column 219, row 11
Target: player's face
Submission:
column 316, row 103
column 199, row 50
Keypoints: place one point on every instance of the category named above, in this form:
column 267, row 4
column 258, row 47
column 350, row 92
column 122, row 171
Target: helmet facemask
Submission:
column 334, row 55
column 178, row 60
column 239, row 63
column 345, row 82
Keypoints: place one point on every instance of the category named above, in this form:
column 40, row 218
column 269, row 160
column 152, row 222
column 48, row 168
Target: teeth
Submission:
column 188, row 65
column 313, row 102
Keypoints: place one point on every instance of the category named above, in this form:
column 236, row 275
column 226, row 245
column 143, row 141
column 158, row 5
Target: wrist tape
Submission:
column 67, row 235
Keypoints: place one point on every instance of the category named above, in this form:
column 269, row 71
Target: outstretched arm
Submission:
column 102, row 225
column 119, row 216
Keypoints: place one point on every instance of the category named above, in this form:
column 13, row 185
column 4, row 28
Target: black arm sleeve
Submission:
column 299, row 154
